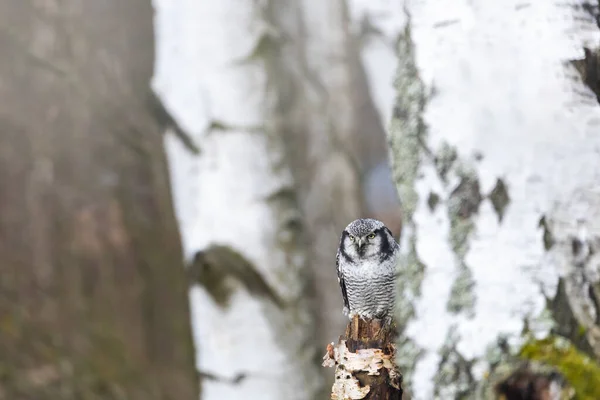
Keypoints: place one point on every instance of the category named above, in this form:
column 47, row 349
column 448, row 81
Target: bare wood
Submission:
column 364, row 362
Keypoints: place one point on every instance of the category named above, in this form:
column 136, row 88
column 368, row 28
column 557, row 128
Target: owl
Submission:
column 366, row 267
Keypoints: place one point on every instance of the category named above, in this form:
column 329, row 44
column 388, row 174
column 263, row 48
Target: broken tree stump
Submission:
column 364, row 362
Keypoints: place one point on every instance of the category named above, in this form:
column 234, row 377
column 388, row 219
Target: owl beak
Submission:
column 360, row 244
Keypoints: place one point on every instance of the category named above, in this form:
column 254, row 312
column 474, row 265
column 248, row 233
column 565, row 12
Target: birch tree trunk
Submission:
column 93, row 300
column 495, row 145
column 253, row 316
column 333, row 135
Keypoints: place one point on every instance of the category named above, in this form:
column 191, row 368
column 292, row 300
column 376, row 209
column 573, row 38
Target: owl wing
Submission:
column 341, row 280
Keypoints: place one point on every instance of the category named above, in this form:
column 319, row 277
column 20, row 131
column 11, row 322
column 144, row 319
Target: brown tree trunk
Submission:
column 365, row 362
column 93, row 301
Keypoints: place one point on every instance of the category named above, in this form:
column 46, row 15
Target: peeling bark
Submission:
column 364, row 361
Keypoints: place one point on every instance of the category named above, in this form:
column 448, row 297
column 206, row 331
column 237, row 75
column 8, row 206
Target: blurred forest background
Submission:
column 175, row 175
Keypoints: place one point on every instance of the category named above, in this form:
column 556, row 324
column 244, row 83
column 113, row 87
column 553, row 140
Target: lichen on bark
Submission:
column 454, row 379
column 406, row 134
column 463, row 205
column 407, row 130
column 462, row 297
column 581, row 372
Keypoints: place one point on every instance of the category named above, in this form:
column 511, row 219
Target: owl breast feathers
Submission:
column 366, row 264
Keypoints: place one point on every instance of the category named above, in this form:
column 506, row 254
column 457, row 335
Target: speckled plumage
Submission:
column 366, row 265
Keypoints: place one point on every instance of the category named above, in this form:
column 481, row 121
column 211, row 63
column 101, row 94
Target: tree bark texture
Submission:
column 497, row 169
column 365, row 362
column 93, row 301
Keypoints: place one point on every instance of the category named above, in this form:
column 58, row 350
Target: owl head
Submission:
column 367, row 239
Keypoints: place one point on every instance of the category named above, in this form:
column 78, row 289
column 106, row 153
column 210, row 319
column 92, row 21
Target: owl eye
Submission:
column 351, row 238
column 371, row 236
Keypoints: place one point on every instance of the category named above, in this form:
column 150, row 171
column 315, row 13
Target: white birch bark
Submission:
column 238, row 193
column 496, row 152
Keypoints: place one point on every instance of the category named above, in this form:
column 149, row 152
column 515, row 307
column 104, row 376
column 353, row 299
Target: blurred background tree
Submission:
column 93, row 301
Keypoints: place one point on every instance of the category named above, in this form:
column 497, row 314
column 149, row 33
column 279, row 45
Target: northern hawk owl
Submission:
column 366, row 266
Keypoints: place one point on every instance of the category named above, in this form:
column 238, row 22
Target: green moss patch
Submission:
column 582, row 373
